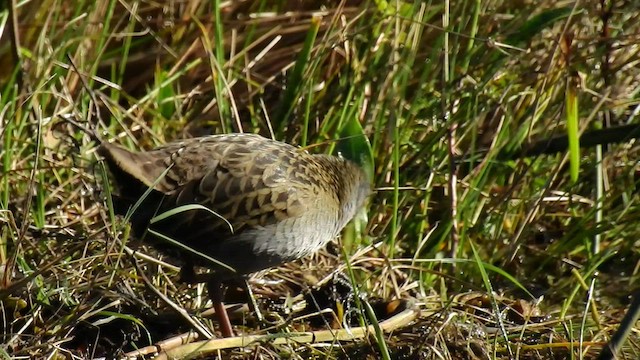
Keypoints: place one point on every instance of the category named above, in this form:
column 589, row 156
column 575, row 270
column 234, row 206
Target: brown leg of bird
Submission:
column 187, row 274
column 216, row 292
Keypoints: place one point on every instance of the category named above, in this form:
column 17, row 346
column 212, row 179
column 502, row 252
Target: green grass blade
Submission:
column 296, row 78
column 571, row 103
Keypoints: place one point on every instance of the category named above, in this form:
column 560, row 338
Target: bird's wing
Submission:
column 246, row 179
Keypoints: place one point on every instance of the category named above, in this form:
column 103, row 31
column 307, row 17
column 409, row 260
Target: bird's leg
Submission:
column 216, row 292
column 187, row 274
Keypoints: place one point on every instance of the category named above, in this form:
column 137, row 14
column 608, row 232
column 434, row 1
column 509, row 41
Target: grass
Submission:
column 506, row 255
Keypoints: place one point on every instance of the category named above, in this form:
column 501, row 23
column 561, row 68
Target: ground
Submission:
column 500, row 135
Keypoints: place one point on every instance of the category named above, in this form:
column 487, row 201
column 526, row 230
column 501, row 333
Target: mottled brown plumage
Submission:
column 282, row 203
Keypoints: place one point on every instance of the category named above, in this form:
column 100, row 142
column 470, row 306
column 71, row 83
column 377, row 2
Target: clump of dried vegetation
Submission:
column 496, row 244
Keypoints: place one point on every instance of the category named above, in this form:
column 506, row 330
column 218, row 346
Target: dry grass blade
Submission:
column 471, row 110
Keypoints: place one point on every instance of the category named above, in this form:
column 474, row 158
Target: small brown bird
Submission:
column 259, row 202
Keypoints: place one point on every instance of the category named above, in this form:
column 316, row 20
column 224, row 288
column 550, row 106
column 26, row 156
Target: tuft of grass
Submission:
column 506, row 256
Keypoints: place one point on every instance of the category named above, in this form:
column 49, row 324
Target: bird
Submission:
column 234, row 203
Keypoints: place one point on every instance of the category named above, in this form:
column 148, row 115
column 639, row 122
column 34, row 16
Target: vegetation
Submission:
column 506, row 253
